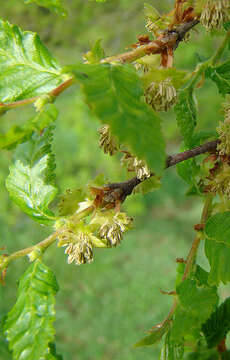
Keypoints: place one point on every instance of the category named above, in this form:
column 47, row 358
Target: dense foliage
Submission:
column 126, row 93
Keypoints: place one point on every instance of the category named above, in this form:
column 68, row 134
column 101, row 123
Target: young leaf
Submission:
column 218, row 255
column 218, row 325
column 221, row 76
column 114, row 93
column 29, row 325
column 196, row 304
column 186, row 114
column 95, row 54
column 27, row 69
column 156, row 334
column 218, row 227
column 19, row 134
column 30, row 182
column 53, row 5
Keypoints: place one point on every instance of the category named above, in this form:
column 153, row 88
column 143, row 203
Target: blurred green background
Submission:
column 105, row 307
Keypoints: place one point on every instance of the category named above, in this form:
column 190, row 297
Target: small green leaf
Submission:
column 217, row 326
column 155, row 335
column 196, row 304
column 188, row 171
column 218, row 227
column 27, row 69
column 18, row 134
column 95, row 54
column 30, row 182
column 186, row 114
column 197, row 300
column 221, row 76
column 218, row 255
column 29, row 325
column 53, row 5
column 114, row 93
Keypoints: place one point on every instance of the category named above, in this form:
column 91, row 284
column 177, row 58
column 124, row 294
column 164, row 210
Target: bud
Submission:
column 42, row 101
column 134, row 164
column 161, row 96
column 224, row 132
column 214, row 14
column 33, row 255
column 107, row 141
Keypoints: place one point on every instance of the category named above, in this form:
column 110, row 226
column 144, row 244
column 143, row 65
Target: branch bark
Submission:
column 126, row 187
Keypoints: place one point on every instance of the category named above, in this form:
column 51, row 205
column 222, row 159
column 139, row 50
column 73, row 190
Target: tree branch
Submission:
column 127, row 186
column 169, row 39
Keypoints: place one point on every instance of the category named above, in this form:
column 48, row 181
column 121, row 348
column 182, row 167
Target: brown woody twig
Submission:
column 126, row 188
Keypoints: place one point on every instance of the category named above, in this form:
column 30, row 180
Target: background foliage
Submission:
column 103, row 308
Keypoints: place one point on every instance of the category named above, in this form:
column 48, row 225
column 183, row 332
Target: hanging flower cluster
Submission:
column 133, row 164
column 107, row 141
column 214, row 14
column 224, row 132
column 112, row 226
column 161, row 96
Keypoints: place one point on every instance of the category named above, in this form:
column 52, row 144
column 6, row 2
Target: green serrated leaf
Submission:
column 18, row 134
column 221, row 76
column 29, row 325
column 114, row 93
column 95, row 54
column 218, row 227
column 196, row 304
column 217, row 326
column 155, row 335
column 188, row 171
column 53, row 5
column 186, row 114
column 218, row 255
column 30, row 182
column 197, row 300
column 27, row 69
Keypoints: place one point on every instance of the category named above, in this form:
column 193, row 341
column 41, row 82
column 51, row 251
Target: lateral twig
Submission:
column 127, row 186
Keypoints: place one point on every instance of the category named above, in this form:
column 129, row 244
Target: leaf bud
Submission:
column 214, row 14
column 161, row 96
column 107, row 141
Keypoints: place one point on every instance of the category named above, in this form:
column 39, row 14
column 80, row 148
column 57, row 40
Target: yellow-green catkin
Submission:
column 214, row 14
column 161, row 96
column 224, row 132
column 136, row 165
column 107, row 141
